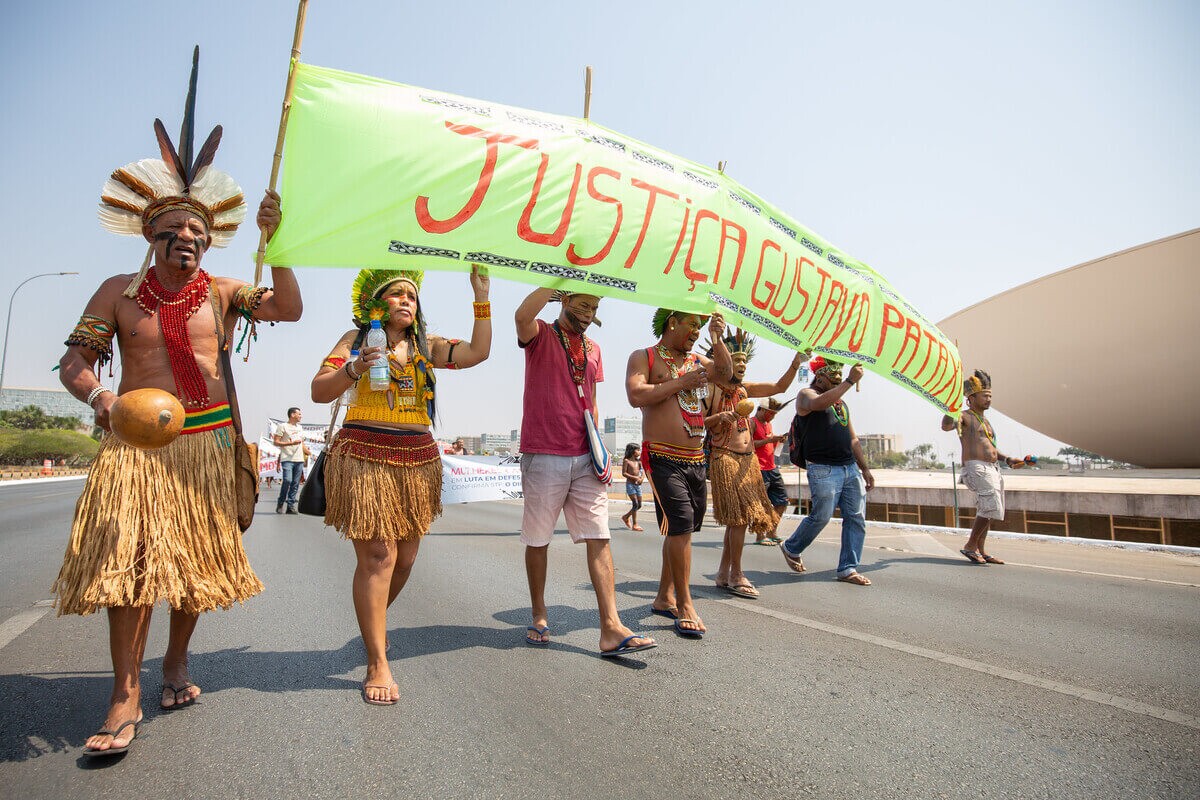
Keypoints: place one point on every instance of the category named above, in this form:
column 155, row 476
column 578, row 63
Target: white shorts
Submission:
column 984, row 479
column 566, row 484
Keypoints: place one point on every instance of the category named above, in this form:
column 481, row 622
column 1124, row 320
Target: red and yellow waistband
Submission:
column 207, row 419
column 688, row 455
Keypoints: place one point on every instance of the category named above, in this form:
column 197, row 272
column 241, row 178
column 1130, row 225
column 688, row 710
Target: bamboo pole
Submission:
column 587, row 93
column 283, row 118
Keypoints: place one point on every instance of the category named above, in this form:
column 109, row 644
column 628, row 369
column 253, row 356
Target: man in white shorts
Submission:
column 981, row 470
column 562, row 368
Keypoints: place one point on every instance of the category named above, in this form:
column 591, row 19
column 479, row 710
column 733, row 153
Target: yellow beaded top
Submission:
column 406, row 400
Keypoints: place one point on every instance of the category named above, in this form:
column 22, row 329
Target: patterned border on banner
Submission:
column 770, row 324
column 909, row 382
column 782, row 228
column 849, row 355
column 666, row 166
column 612, row 283
column 737, row 198
column 483, row 111
column 404, row 249
column 536, row 122
column 558, row 271
column 493, row 260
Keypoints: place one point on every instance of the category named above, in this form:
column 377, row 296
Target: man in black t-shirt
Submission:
column 837, row 470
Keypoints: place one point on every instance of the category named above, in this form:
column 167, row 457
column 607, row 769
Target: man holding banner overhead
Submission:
column 668, row 383
column 562, row 368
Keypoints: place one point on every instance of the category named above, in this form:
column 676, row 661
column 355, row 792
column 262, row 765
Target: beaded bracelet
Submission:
column 94, row 393
column 482, row 310
column 350, row 373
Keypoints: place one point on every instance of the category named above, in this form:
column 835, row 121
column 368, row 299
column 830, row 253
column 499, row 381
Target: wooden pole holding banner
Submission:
column 283, row 118
column 587, row 93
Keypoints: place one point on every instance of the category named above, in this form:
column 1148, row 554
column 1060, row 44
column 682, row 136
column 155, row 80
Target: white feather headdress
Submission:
column 138, row 193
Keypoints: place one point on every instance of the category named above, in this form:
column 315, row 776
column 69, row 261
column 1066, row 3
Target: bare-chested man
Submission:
column 666, row 381
column 740, row 499
column 162, row 524
column 980, row 471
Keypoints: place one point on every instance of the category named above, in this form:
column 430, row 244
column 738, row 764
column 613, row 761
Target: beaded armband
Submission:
column 333, row 362
column 94, row 333
column 248, row 298
column 450, row 364
column 482, row 310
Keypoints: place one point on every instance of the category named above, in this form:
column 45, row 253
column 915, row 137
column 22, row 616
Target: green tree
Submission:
column 35, row 446
column 32, row 418
column 923, row 457
column 887, row 460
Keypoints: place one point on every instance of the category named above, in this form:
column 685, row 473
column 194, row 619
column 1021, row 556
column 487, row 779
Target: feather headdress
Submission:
column 659, row 323
column 737, row 342
column 977, row 383
column 370, row 283
column 138, row 193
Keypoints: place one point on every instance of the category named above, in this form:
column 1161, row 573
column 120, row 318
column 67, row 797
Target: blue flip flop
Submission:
column 624, row 648
column 669, row 613
column 690, row 633
column 542, row 631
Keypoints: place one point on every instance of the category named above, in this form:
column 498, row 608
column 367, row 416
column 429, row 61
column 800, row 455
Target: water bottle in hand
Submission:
column 379, row 367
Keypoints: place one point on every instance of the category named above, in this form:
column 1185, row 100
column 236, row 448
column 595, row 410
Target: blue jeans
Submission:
column 829, row 486
column 289, row 485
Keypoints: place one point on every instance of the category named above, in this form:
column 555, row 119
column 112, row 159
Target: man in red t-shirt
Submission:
column 562, row 368
column 765, row 440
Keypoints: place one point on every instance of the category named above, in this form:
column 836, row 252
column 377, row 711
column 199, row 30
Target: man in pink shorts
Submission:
column 562, row 368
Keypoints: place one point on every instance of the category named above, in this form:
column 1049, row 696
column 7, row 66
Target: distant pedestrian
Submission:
column 289, row 438
column 631, row 470
column 980, row 473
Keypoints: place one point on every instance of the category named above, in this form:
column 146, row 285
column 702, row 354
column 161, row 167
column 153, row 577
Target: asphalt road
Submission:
column 1070, row 672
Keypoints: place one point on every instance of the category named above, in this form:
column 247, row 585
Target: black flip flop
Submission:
column 115, row 751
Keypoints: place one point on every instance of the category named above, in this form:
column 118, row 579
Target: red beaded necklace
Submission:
column 174, row 309
column 576, row 347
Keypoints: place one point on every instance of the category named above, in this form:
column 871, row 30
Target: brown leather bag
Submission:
column 245, row 455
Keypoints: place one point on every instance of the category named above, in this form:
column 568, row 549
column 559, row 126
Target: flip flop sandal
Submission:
column 177, row 690
column 114, row 751
column 669, row 613
column 991, row 559
column 624, row 648
column 856, row 579
column 542, row 631
column 973, row 556
column 745, row 590
column 690, row 633
column 388, row 702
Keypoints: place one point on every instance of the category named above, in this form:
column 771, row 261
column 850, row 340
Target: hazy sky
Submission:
column 959, row 148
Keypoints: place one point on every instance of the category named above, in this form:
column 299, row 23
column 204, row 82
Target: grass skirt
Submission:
column 381, row 484
column 738, row 494
column 158, row 525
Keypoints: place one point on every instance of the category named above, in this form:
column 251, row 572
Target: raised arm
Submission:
column 479, row 347
column 282, row 302
column 527, row 313
column 809, row 401
column 763, row 389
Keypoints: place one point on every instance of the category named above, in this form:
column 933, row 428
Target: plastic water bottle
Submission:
column 802, row 375
column 379, row 367
column 348, row 395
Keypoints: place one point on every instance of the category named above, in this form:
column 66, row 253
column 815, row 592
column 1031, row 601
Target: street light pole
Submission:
column 8, row 320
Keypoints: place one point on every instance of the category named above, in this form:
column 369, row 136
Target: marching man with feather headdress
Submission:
column 161, row 524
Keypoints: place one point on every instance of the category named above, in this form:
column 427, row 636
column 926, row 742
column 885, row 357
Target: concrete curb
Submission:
column 1036, row 537
column 26, row 481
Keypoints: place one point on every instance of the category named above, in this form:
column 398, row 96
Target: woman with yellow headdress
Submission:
column 383, row 472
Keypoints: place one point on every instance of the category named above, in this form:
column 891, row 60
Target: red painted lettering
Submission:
column 555, row 237
column 654, row 191
column 491, row 154
column 572, row 255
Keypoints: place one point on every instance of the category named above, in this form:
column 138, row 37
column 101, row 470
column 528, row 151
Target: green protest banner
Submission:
column 386, row 175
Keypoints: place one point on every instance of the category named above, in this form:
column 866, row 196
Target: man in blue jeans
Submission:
column 837, row 470
column 289, row 438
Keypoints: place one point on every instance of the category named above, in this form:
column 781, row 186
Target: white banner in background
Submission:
column 472, row 479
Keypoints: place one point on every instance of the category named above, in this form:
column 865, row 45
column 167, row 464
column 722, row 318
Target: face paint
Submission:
column 171, row 238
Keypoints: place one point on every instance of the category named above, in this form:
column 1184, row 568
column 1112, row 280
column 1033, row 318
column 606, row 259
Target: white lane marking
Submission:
column 1103, row 698
column 17, row 624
